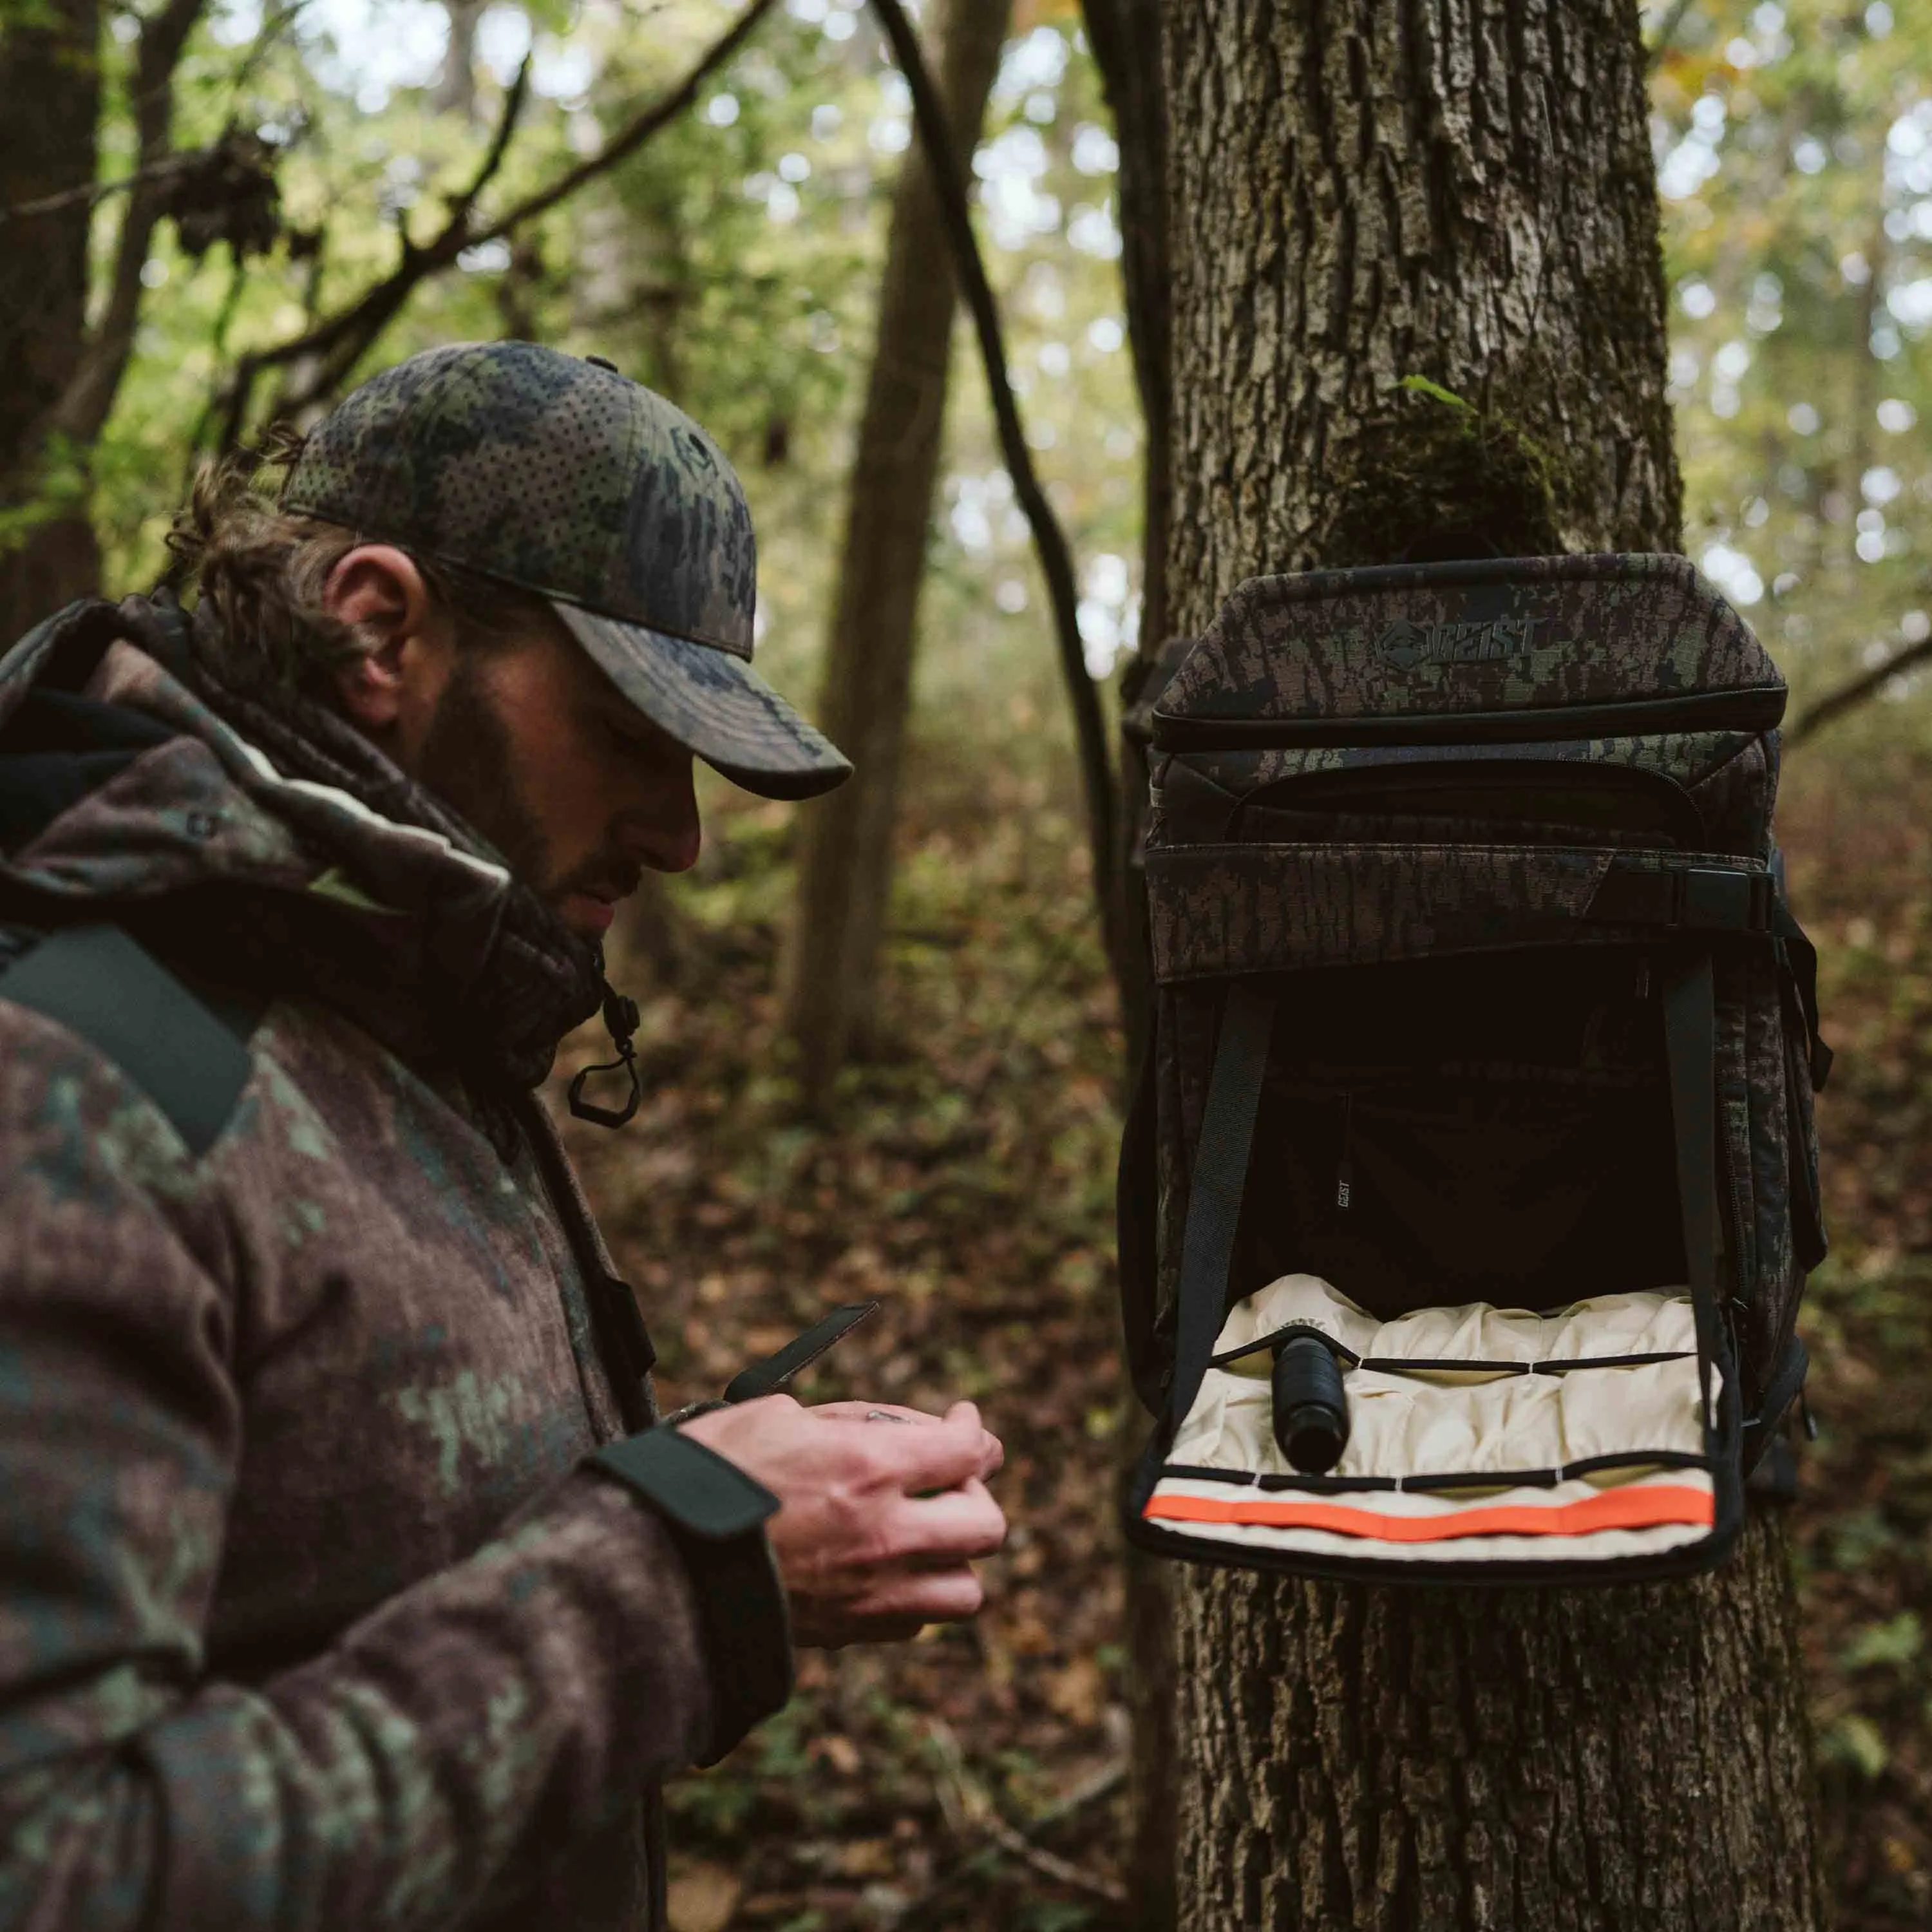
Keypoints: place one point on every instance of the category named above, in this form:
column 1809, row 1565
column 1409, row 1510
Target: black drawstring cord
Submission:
column 620, row 1021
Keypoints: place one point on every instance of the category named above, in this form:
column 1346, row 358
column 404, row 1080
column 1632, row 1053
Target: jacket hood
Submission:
column 264, row 841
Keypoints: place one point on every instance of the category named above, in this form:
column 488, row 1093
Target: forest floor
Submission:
column 972, row 1780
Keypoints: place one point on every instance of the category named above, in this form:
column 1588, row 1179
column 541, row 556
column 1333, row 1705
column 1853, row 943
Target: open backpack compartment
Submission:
column 1470, row 1182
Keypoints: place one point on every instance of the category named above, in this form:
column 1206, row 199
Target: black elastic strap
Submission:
column 691, row 1486
column 1220, row 1178
column 1136, row 1186
column 1690, row 1049
column 768, row 1377
column 98, row 982
column 1784, row 1385
column 620, row 1022
column 1798, row 957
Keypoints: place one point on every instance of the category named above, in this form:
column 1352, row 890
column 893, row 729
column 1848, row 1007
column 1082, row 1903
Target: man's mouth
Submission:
column 592, row 903
column 588, row 914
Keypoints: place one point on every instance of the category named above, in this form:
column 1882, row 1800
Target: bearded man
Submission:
column 346, row 1580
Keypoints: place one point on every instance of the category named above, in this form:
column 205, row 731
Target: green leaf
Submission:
column 1897, row 1641
column 1856, row 1741
column 1420, row 385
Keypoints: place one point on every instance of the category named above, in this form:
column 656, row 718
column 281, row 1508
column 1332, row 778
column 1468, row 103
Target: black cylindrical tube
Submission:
column 1311, row 1410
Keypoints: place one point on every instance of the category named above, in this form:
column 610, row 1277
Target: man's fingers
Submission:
column 928, row 1597
column 996, row 1453
column 960, row 1524
column 940, row 1457
column 961, row 1415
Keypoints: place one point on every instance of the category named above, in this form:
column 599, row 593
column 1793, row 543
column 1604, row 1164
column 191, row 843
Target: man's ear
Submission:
column 378, row 592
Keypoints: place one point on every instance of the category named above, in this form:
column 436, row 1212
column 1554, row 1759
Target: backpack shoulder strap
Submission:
column 190, row 1059
column 1136, row 1185
column 1220, row 1178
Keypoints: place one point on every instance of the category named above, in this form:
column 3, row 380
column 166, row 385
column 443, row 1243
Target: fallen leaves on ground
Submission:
column 963, row 1177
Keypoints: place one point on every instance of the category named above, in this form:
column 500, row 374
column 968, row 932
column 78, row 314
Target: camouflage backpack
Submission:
column 1470, row 1183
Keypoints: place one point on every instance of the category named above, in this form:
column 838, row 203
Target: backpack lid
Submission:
column 1443, row 641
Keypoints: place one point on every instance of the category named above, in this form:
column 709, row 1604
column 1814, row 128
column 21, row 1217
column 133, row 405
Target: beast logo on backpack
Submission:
column 1481, row 1058
column 1405, row 644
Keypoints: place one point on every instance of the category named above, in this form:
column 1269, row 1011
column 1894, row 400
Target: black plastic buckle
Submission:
column 1704, row 899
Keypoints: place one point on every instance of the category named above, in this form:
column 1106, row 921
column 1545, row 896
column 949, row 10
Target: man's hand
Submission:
column 879, row 1522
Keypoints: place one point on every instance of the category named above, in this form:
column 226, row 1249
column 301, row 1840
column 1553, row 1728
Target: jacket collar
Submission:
column 271, row 840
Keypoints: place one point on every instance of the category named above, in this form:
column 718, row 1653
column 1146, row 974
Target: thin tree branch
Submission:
column 1056, row 562
column 218, row 343
column 623, row 145
column 1854, row 692
column 1667, row 31
column 95, row 192
column 274, row 25
column 970, row 1810
column 336, row 346
column 340, row 340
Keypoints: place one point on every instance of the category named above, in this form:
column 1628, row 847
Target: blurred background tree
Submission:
column 831, row 967
column 284, row 152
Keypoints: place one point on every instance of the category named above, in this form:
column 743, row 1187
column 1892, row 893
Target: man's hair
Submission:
column 263, row 571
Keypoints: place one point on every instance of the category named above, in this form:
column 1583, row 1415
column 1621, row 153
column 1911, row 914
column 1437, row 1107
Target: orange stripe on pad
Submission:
column 1633, row 1508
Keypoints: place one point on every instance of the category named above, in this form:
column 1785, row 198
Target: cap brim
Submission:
column 713, row 702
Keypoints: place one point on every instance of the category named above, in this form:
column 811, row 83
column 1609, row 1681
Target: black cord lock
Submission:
column 620, row 1022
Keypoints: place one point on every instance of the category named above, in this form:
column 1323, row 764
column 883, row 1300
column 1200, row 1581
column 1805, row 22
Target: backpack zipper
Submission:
column 1755, row 708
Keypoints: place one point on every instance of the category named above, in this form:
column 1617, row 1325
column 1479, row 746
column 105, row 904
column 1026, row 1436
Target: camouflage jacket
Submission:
column 309, row 1617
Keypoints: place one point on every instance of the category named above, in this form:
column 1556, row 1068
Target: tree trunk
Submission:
column 456, row 85
column 1363, row 192
column 1127, row 41
column 1126, row 38
column 832, row 964
column 50, row 80
column 1536, row 1760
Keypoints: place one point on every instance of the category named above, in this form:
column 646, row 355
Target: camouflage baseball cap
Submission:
column 561, row 476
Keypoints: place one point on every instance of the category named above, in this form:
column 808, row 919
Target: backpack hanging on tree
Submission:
column 1470, row 1183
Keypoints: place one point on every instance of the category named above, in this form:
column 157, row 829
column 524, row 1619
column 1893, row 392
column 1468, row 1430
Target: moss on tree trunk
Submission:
column 1364, row 192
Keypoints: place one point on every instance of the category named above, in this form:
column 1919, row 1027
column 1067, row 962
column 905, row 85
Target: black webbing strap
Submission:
column 1136, row 1185
column 1798, row 959
column 1690, row 1049
column 768, row 1377
column 1691, row 898
column 98, row 982
column 1220, row 1177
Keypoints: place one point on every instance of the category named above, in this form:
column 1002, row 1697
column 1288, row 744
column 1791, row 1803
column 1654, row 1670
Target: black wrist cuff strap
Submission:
column 690, row 1486
column 717, row 1514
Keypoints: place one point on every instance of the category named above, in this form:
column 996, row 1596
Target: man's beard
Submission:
column 467, row 761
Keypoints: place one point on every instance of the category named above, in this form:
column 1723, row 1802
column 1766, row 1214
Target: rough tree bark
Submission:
column 1360, row 192
column 50, row 80
column 831, row 970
